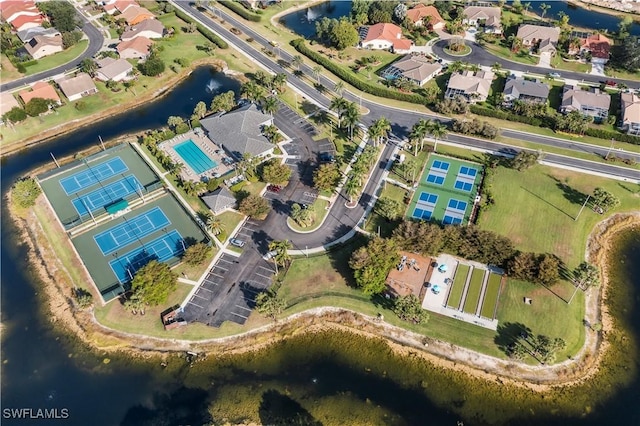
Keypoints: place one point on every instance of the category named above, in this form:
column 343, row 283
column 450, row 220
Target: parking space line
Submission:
column 266, row 269
column 241, row 316
column 191, row 301
column 201, row 297
column 225, row 260
column 219, row 267
column 204, row 288
column 242, row 307
column 264, row 276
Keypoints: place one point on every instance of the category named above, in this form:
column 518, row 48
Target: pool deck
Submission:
column 207, row 146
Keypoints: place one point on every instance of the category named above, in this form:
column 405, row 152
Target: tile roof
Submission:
column 630, row 107
column 133, row 14
column 419, row 12
column 489, row 13
column 29, row 33
column 22, row 20
column 468, row 82
column 139, row 44
column 384, row 31
column 517, row 87
column 598, row 45
column 416, row 67
column 41, row 89
column 538, row 32
column 9, row 8
column 147, row 25
column 39, row 41
column 111, row 68
column 76, row 85
column 574, row 98
column 239, row 131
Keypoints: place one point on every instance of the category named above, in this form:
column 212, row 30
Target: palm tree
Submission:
column 419, row 131
column 297, row 62
column 339, row 87
column 526, row 6
column 281, row 256
column 176, row 168
column 351, row 188
column 544, row 8
column 279, row 81
column 252, row 91
column 496, row 68
column 351, row 116
column 317, row 71
column 270, row 105
column 381, row 126
column 89, row 66
column 214, row 224
column 438, row 131
column 338, row 105
column 457, row 66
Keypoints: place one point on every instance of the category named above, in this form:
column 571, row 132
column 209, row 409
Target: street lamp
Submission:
column 610, row 149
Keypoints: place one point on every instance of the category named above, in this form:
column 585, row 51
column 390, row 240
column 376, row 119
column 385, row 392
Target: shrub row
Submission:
column 347, row 76
column 503, row 115
column 607, row 134
column 202, row 30
column 241, row 10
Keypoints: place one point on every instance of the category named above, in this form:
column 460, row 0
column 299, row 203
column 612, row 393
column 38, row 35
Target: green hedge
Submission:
column 503, row 115
column 607, row 134
column 202, row 30
column 241, row 10
column 347, row 76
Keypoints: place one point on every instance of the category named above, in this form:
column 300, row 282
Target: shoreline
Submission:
column 588, row 5
column 57, row 283
column 17, row 146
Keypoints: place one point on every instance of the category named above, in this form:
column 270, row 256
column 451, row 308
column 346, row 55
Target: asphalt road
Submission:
column 480, row 56
column 95, row 44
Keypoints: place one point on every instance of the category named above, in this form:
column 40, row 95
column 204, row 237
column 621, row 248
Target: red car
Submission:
column 274, row 188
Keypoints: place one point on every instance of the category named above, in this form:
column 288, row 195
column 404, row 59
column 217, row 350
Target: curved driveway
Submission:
column 342, row 220
column 480, row 56
column 95, row 44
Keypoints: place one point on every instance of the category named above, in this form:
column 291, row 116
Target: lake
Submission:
column 303, row 21
column 333, row 378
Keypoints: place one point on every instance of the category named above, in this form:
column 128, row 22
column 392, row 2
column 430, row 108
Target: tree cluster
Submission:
column 275, row 172
column 196, row 254
column 152, row 67
column 524, row 160
column 223, row 102
column 452, row 106
column 627, row 55
column 371, row 264
column 604, row 199
column 536, row 268
column 408, row 308
column 475, row 127
column 326, row 177
column 153, row 283
column 338, row 33
column 254, row 206
column 37, row 106
column 374, row 12
column 61, row 13
column 388, row 208
column 304, row 217
column 25, row 192
column 270, row 304
column 14, row 115
column 573, row 122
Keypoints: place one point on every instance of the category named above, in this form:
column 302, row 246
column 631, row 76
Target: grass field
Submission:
column 375, row 221
column 58, row 59
column 8, row 71
column 459, row 281
column 558, row 63
column 474, row 290
column 230, row 220
column 491, row 296
column 506, row 53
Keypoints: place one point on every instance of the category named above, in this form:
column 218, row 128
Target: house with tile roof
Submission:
column 136, row 48
column 219, row 200
column 24, row 22
column 519, row 89
column 239, row 132
column 77, row 87
column 7, row 103
column 422, row 14
column 472, row 87
column 41, row 46
column 416, row 68
column 42, row 90
column 598, row 45
column 116, row 6
column 149, row 28
column 630, row 111
column 26, row 35
column 384, row 36
column 544, row 39
column 136, row 14
column 114, row 69
column 487, row 18
column 593, row 103
column 10, row 10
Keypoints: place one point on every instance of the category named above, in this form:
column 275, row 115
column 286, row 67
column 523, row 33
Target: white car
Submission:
column 236, row 242
column 270, row 255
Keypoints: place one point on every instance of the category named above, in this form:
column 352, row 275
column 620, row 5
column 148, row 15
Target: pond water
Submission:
column 333, row 378
column 303, row 21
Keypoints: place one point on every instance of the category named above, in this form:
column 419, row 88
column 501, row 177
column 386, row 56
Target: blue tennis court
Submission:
column 438, row 172
column 441, row 165
column 427, row 198
column 195, row 158
column 451, row 220
column 131, row 229
column 92, row 175
column 106, row 195
column 463, row 186
column 419, row 213
column 457, row 205
column 160, row 249
column 438, row 180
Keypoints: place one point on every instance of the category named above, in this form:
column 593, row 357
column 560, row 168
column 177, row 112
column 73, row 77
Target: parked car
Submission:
column 274, row 188
column 325, row 157
column 554, row 75
column 236, row 242
column 270, row 255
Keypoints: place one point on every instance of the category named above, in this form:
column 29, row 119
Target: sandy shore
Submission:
column 602, row 7
column 141, row 99
column 57, row 286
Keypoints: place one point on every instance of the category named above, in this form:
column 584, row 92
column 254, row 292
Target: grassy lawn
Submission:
column 320, row 210
column 58, row 59
column 184, row 45
column 375, row 221
column 230, row 220
column 619, row 73
column 194, row 272
column 547, row 314
column 7, row 71
column 536, row 209
column 113, row 33
column 558, row 63
column 506, row 53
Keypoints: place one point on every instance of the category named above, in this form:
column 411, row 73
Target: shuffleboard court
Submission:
column 460, row 279
column 92, row 175
column 491, row 296
column 131, row 229
column 160, row 249
column 106, row 195
column 473, row 293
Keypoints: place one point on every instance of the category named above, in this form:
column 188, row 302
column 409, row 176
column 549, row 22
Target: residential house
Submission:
column 473, row 87
column 24, row 22
column 114, row 69
column 219, row 200
column 40, row 46
column 422, row 14
column 10, row 10
column 149, row 28
column 593, row 103
column 418, row 69
column 544, row 39
column 120, row 6
column 42, row 90
column 136, row 14
column 7, row 103
column 384, row 36
column 485, row 17
column 598, row 45
column 519, row 89
column 136, row 48
column 77, row 87
column 630, row 108
column 26, row 35
column 239, row 132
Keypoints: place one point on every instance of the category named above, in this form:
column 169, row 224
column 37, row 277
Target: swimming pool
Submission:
column 194, row 157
